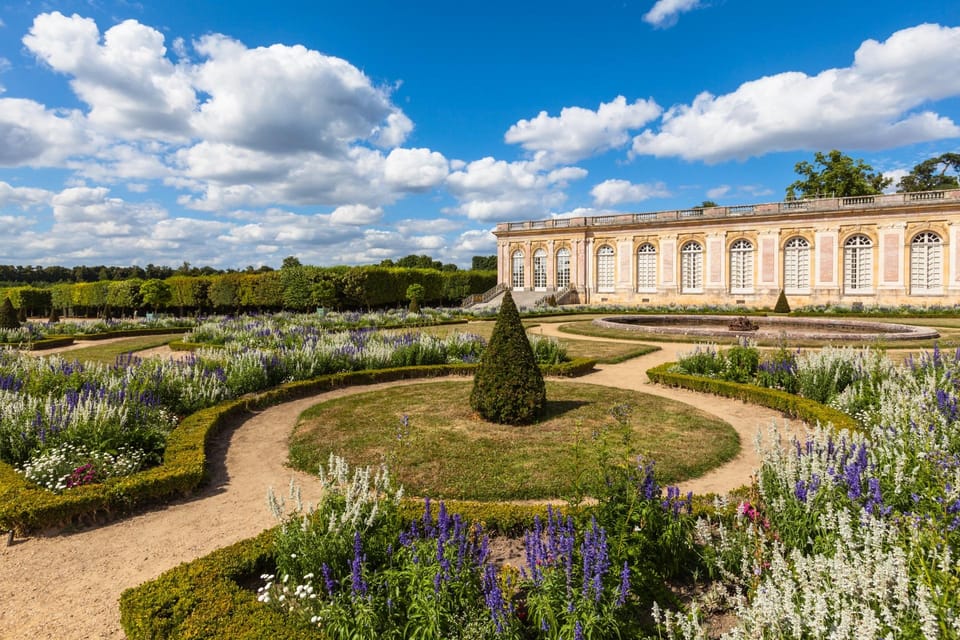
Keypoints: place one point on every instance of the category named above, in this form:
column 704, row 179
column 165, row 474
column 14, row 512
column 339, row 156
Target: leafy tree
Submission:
column 415, row 293
column 706, row 204
column 290, row 262
column 324, row 293
column 484, row 263
column 8, row 315
column 835, row 175
column 508, row 386
column 931, row 175
column 155, row 292
column 297, row 288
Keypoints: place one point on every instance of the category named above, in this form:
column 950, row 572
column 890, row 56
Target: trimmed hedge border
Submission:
column 25, row 507
column 792, row 405
column 46, row 343
column 129, row 333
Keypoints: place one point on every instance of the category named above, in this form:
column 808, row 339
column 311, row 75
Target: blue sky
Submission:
column 346, row 132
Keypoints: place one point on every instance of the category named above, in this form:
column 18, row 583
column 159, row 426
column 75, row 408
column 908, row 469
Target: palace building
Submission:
column 891, row 249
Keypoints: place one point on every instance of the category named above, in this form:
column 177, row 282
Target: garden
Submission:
column 850, row 530
column 847, row 533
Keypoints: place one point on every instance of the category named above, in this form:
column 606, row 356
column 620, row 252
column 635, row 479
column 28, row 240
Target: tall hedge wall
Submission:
column 301, row 288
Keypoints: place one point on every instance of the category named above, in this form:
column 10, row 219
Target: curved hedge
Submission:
column 792, row 405
column 25, row 507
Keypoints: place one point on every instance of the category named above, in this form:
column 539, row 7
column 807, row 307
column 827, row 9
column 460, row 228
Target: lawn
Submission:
column 446, row 451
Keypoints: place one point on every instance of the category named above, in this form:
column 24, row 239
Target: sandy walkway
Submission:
column 67, row 585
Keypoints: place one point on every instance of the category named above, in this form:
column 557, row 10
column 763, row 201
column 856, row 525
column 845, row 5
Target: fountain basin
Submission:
column 770, row 327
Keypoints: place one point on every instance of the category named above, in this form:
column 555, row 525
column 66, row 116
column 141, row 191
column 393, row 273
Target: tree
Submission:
column 290, row 262
column 155, row 292
column 508, row 386
column 706, row 204
column 483, row 263
column 931, row 175
column 835, row 175
column 415, row 293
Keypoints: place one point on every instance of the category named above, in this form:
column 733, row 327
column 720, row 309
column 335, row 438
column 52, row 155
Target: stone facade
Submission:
column 884, row 250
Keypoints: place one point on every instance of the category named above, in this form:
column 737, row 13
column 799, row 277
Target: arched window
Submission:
column 691, row 268
column 926, row 263
column 540, row 269
column 605, row 260
column 741, row 266
column 563, row 268
column 796, row 265
column 857, row 264
column 517, row 279
column 647, row 267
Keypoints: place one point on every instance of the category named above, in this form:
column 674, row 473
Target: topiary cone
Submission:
column 508, row 386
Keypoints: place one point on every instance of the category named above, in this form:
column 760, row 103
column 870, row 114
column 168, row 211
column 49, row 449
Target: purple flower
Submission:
column 356, row 577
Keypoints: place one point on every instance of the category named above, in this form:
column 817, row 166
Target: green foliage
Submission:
column 835, row 175
column 484, row 263
column 809, row 411
column 782, row 305
column 155, row 293
column 8, row 315
column 931, row 175
column 508, row 386
column 415, row 293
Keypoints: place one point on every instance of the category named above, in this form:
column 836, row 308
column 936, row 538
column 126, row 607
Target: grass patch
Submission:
column 107, row 353
column 447, row 451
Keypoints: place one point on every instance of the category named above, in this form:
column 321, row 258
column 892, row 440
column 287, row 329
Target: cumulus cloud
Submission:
column 23, row 197
column 356, row 214
column 664, row 13
column 613, row 192
column 290, row 98
column 127, row 80
column 32, row 135
column 415, row 169
column 869, row 105
column 579, row 133
column 490, row 189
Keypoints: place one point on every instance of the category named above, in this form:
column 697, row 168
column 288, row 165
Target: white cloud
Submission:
column 130, row 85
column 32, row 135
column 578, row 133
column 869, row 105
column 290, row 98
column 356, row 214
column 23, row 197
column 415, row 169
column 718, row 192
column 613, row 192
column 476, row 242
column 490, row 189
column 664, row 13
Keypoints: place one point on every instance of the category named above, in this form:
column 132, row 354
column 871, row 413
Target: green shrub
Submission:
column 8, row 315
column 782, row 305
column 508, row 386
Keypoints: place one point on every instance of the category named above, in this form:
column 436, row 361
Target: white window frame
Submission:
column 606, row 268
column 647, row 268
column 539, row 270
column 926, row 264
column 516, row 272
column 796, row 265
column 691, row 267
column 858, row 265
column 741, row 266
column 563, row 268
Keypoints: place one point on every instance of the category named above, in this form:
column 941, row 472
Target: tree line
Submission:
column 294, row 287
column 54, row 274
column 837, row 175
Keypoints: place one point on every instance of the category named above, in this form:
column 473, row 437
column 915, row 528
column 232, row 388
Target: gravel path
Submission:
column 68, row 584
